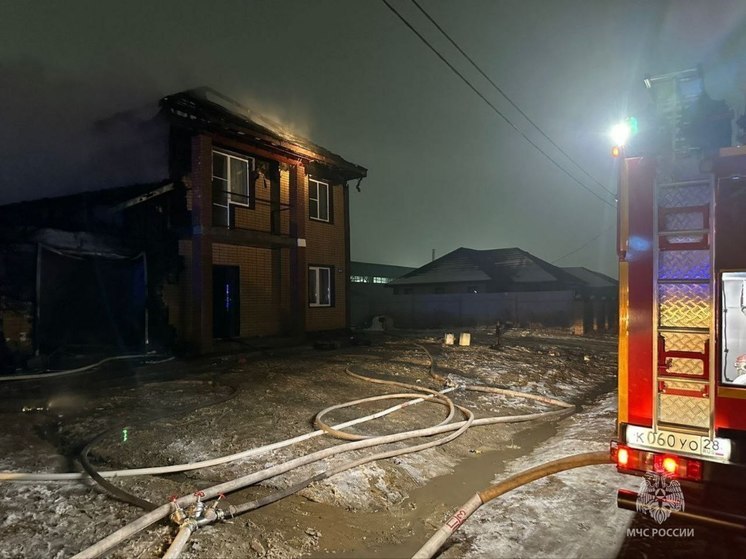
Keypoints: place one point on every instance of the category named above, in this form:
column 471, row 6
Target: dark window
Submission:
column 318, row 200
column 320, row 286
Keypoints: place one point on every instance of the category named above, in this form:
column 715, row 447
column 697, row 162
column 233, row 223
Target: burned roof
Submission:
column 206, row 109
column 75, row 211
column 506, row 268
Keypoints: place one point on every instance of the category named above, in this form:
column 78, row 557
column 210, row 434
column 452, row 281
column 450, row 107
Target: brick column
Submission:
column 346, row 275
column 201, row 272
column 298, row 264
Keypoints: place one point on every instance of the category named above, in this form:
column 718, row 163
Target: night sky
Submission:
column 444, row 170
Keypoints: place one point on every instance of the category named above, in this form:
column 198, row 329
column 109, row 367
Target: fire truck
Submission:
column 682, row 303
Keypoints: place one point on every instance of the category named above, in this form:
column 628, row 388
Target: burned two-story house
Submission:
column 242, row 232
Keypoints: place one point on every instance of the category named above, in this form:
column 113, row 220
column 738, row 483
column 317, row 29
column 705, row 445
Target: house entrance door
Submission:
column 226, row 303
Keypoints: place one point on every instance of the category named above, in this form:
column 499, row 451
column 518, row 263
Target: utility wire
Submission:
column 581, row 247
column 509, row 100
column 493, row 107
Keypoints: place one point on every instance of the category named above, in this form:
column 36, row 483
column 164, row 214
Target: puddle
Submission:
column 401, row 531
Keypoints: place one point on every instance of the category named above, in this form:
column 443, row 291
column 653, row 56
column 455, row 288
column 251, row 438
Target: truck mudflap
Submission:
column 731, row 518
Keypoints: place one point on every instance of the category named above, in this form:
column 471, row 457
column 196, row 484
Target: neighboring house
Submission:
column 368, row 294
column 244, row 233
column 501, row 270
column 469, row 286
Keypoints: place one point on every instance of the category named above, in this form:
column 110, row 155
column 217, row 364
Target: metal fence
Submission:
column 545, row 308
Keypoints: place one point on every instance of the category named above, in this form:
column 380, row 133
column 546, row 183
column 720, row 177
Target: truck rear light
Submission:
column 630, row 460
column 694, row 470
column 670, row 465
column 622, row 456
column 676, row 466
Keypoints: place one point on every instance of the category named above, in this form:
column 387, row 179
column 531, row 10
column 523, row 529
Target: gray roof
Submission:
column 591, row 278
column 505, row 267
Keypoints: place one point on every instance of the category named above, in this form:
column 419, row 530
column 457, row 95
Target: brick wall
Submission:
column 325, row 246
column 259, row 218
column 260, row 308
column 264, row 296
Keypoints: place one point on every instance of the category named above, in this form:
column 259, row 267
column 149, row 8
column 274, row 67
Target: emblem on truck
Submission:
column 659, row 496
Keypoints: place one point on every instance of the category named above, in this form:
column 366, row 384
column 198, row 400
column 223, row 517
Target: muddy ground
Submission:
column 179, row 412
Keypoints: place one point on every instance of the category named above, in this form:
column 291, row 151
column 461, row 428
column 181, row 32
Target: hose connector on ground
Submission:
column 189, row 520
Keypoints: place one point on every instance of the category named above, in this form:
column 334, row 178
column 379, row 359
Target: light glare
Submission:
column 620, row 133
column 670, row 465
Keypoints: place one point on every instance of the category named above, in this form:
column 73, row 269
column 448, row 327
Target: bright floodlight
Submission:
column 620, row 133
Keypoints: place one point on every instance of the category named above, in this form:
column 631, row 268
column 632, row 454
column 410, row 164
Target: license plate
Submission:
column 679, row 443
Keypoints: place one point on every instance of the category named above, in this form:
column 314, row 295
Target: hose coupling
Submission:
column 190, row 524
column 197, row 508
column 214, row 505
column 179, row 515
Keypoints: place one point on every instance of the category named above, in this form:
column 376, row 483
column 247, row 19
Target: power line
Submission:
column 509, row 100
column 494, row 108
column 581, row 247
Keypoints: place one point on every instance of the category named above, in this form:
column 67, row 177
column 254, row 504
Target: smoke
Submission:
column 62, row 133
column 57, row 134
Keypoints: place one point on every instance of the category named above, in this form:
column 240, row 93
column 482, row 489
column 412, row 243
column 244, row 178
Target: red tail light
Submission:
column 631, row 459
column 670, row 465
column 622, row 457
column 694, row 470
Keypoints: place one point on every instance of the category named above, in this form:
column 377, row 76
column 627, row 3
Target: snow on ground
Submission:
column 571, row 514
column 275, row 399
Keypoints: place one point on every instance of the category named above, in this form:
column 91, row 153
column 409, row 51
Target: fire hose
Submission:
column 432, row 546
column 212, row 513
column 164, row 510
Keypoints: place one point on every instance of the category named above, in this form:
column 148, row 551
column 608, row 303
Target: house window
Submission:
column 360, row 279
column 318, row 200
column 230, row 184
column 320, row 286
column 379, row 279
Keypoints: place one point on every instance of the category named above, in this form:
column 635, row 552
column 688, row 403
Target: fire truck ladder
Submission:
column 683, row 356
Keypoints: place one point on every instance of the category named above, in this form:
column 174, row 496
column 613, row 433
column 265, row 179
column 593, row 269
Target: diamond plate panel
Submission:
column 684, row 385
column 685, row 342
column 684, row 264
column 683, row 366
column 683, row 220
column 681, row 239
column 683, row 196
column 676, row 341
column 684, row 410
column 684, row 305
